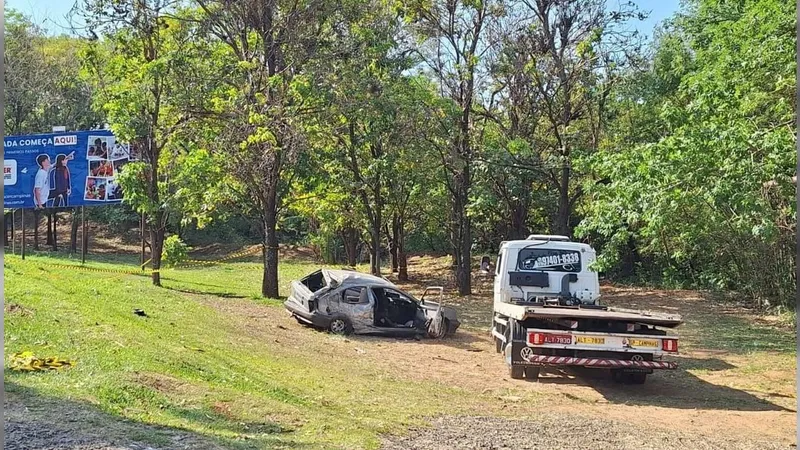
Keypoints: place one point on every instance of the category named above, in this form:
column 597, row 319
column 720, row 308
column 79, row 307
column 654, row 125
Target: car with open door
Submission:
column 345, row 302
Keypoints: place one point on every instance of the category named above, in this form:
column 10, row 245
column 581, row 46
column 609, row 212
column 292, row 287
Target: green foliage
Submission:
column 351, row 118
column 42, row 83
column 175, row 250
column 706, row 193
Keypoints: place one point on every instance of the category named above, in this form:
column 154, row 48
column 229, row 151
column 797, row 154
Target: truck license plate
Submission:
column 644, row 343
column 565, row 339
column 590, row 340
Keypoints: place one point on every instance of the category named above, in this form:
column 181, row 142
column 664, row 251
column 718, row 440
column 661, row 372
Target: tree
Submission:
column 365, row 110
column 571, row 53
column 267, row 45
column 454, row 36
column 144, row 73
column 707, row 195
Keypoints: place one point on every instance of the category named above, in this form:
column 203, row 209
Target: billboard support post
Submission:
column 13, row 234
column 36, row 229
column 84, row 238
column 141, row 256
column 55, row 222
column 23, row 233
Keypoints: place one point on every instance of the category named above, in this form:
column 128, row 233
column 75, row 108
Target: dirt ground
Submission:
column 723, row 394
column 679, row 400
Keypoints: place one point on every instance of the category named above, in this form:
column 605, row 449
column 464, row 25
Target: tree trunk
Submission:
column 55, row 230
column 562, row 226
column 157, row 246
column 350, row 238
column 7, row 218
column 393, row 242
column 462, row 245
column 73, row 233
column 402, row 259
column 49, row 234
column 519, row 214
column 375, row 249
column 269, row 282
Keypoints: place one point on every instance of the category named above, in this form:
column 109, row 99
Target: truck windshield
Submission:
column 548, row 259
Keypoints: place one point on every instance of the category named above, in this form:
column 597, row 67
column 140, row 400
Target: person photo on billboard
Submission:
column 41, row 182
column 63, row 188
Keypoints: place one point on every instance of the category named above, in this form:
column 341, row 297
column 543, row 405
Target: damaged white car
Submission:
column 345, row 302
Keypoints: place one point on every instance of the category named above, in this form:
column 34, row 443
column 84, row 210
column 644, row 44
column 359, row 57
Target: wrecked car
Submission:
column 344, row 302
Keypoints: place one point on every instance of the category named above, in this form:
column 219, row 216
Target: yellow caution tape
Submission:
column 84, row 268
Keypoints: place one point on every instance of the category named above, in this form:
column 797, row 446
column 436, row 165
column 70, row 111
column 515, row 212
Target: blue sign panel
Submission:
column 63, row 169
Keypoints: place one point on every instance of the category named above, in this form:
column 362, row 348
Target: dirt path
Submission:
column 558, row 431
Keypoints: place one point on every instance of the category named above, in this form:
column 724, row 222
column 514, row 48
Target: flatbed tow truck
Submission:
column 547, row 313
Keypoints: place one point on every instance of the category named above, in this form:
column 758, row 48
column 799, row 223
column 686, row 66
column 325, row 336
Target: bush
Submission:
column 175, row 251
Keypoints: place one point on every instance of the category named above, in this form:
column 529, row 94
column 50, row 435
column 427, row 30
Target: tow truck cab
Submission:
column 547, row 313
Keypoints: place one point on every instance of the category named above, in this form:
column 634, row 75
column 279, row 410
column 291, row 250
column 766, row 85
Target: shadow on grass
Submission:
column 43, row 421
column 736, row 335
column 676, row 389
column 202, row 292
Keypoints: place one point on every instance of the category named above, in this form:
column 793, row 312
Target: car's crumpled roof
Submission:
column 353, row 278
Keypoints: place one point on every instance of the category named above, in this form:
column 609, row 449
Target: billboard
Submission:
column 77, row 168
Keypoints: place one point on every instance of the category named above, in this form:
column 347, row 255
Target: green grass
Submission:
column 190, row 366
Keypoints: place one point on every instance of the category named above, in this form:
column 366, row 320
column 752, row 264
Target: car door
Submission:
column 356, row 303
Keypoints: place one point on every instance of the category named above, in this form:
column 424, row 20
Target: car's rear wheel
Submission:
column 340, row 325
column 516, row 372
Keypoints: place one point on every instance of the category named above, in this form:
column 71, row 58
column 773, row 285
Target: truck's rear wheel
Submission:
column 532, row 373
column 620, row 376
column 516, row 372
column 636, row 378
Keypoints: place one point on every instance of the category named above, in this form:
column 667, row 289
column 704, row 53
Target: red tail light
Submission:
column 669, row 345
column 536, row 338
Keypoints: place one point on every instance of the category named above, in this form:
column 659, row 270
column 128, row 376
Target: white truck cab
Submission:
column 545, row 268
column 547, row 313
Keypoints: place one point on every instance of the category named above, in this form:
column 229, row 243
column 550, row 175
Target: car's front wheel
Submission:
column 340, row 325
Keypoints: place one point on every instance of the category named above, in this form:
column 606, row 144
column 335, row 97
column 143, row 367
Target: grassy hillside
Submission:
column 191, row 366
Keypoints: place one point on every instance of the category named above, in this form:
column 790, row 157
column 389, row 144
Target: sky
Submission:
column 51, row 14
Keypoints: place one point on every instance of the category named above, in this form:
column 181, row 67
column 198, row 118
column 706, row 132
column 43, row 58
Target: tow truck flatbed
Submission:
column 521, row 312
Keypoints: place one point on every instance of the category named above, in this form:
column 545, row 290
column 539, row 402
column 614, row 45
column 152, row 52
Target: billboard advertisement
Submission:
column 64, row 169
